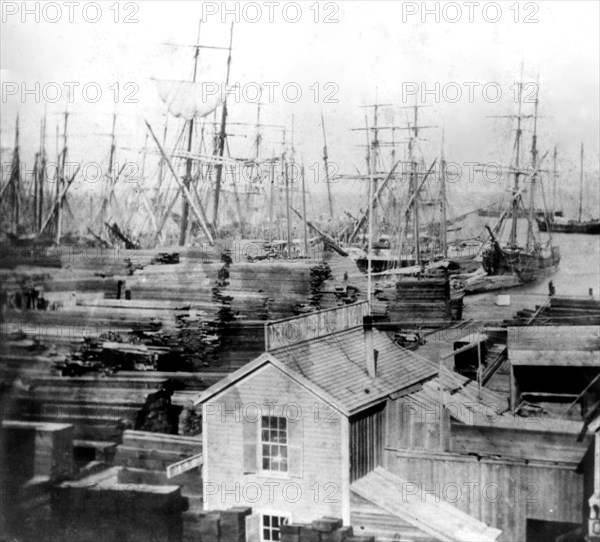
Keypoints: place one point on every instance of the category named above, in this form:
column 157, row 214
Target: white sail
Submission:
column 188, row 99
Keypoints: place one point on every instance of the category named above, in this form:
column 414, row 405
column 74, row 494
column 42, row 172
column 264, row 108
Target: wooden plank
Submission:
column 551, row 358
column 184, row 465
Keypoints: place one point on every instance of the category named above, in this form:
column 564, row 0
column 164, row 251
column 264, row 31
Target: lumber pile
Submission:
column 568, row 311
column 324, row 529
column 103, row 508
column 144, row 458
column 37, row 254
column 33, row 456
column 418, row 300
column 218, row 526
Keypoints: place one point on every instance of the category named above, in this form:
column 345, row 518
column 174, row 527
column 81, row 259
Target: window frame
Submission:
column 281, row 515
column 260, row 443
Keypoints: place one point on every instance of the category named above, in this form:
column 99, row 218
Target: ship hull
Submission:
column 518, row 267
column 592, row 227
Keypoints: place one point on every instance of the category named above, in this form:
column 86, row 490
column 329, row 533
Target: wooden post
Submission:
column 479, row 369
column 513, row 390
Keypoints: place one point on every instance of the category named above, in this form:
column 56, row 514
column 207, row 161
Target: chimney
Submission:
column 370, row 351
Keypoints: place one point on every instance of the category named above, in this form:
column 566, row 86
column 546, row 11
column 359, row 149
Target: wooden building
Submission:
column 303, row 432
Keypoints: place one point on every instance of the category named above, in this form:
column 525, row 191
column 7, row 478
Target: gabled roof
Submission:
column 334, row 367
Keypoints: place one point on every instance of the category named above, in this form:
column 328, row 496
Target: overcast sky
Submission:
column 374, row 48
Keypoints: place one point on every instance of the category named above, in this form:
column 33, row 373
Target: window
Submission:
column 274, row 438
column 271, row 527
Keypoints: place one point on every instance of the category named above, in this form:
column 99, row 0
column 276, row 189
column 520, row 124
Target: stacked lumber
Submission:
column 218, row 526
column 324, row 529
column 420, row 300
column 36, row 254
column 144, row 458
column 101, row 507
column 568, row 311
column 33, row 456
column 284, row 284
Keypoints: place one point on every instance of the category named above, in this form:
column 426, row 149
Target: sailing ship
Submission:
column 515, row 264
column 412, row 278
column 559, row 224
column 421, row 237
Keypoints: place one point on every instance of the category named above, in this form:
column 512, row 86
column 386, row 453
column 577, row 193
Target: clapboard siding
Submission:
column 323, row 464
column 501, row 493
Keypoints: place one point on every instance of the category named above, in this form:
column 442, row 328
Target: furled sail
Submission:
column 188, row 99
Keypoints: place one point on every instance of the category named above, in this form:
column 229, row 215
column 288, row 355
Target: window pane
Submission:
column 266, row 534
column 266, row 521
column 265, row 463
column 265, row 421
column 281, row 423
column 276, row 521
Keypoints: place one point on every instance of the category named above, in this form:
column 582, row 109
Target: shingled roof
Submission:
column 334, row 366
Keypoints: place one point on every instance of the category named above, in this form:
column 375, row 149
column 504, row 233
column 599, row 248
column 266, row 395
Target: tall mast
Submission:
column 370, row 211
column 15, row 181
column 271, row 195
column 111, row 174
column 326, row 164
column 221, row 142
column 61, row 180
column 515, row 199
column 534, row 160
column 415, row 189
column 287, row 203
column 554, row 175
column 293, row 161
column 41, row 176
column 258, row 135
column 444, row 226
column 185, row 208
column 580, row 182
column 304, row 210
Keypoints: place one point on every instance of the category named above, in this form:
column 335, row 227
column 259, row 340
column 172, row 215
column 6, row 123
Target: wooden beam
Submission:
column 182, row 186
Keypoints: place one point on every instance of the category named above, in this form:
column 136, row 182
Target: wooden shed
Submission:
column 292, row 431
